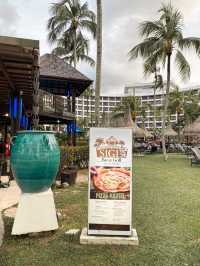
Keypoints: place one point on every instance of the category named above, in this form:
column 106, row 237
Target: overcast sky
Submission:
column 28, row 18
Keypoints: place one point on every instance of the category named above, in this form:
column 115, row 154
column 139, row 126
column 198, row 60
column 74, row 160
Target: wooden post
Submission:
column 18, row 112
column 74, row 111
column 35, row 111
column 12, row 112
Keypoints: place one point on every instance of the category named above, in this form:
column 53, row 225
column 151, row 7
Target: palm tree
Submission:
column 191, row 107
column 164, row 38
column 98, row 61
column 176, row 105
column 69, row 19
column 65, row 49
column 134, row 103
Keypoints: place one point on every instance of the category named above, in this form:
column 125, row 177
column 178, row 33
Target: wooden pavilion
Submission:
column 19, row 79
column 32, row 88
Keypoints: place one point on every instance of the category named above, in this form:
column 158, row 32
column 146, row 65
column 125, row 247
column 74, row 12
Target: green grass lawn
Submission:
column 166, row 214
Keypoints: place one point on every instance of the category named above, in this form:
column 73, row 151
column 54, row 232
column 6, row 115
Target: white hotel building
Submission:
column 86, row 106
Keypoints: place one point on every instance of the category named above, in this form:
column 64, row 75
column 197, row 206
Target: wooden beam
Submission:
column 21, row 42
column 20, row 71
column 17, row 60
column 16, row 55
column 2, row 67
column 17, row 65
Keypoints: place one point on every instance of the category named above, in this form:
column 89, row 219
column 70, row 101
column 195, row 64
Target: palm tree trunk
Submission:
column 99, row 60
column 154, row 108
column 75, row 53
column 166, row 105
column 178, row 122
column 87, row 122
column 154, row 101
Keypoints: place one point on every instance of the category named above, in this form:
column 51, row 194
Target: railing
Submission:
column 54, row 105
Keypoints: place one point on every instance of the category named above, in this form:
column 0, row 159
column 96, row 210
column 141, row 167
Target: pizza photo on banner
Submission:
column 107, row 180
column 110, row 181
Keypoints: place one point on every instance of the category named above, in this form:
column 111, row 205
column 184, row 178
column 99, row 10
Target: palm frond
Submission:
column 183, row 65
column 89, row 25
column 87, row 59
column 86, row 13
column 143, row 49
column 154, row 58
column 173, row 20
column 190, row 42
column 150, row 27
column 149, row 69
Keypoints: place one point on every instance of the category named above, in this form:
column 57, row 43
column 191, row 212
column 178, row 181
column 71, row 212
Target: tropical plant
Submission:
column 69, row 19
column 134, row 103
column 65, row 49
column 176, row 106
column 191, row 107
column 143, row 113
column 164, row 38
column 98, row 61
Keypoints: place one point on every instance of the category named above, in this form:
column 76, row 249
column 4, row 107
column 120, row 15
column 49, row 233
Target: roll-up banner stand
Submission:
column 110, row 182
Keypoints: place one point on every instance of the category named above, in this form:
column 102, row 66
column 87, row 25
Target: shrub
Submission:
column 77, row 156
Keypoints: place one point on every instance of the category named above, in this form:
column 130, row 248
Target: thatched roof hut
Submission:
column 60, row 78
column 170, row 132
column 192, row 129
column 124, row 119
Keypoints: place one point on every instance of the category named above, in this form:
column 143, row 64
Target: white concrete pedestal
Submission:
column 86, row 239
column 35, row 213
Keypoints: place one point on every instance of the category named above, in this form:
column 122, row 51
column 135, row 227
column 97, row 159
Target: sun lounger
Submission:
column 196, row 156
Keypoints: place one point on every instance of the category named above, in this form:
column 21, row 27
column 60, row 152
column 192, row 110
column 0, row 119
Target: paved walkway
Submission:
column 1, row 229
column 9, row 196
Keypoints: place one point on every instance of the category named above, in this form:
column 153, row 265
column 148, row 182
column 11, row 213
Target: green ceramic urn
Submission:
column 35, row 159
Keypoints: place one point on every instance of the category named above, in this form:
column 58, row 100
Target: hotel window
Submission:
column 158, row 124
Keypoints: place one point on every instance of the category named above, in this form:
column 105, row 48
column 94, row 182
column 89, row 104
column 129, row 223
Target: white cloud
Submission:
column 24, row 18
column 8, row 18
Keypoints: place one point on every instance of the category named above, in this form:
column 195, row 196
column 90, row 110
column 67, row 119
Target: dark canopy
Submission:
column 16, row 65
column 60, row 78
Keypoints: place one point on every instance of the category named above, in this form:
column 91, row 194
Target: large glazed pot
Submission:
column 35, row 159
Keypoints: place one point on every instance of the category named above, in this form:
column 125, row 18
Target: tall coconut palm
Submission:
column 65, row 49
column 162, row 39
column 98, row 61
column 71, row 18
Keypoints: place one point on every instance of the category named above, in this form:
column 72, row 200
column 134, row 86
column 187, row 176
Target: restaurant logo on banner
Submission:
column 110, row 149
